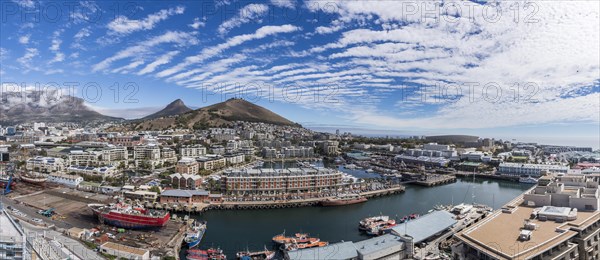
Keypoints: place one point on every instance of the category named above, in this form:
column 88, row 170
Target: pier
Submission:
column 431, row 180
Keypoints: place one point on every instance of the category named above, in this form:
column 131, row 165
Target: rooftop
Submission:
column 498, row 234
column 373, row 245
column 184, row 193
column 342, row 250
column 426, row 226
column 124, row 248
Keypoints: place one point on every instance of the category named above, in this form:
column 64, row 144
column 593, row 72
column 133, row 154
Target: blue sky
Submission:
column 509, row 69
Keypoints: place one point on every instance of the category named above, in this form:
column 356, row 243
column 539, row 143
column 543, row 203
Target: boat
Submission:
column 342, row 200
column 195, row 235
column 209, row 254
column 380, row 227
column 461, row 209
column 296, row 246
column 128, row 216
column 528, row 180
column 34, row 178
column 365, row 223
column 297, row 238
column 259, row 255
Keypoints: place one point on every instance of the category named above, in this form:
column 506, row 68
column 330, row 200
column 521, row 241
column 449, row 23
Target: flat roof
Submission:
column 426, row 226
column 498, row 234
column 342, row 250
column 124, row 248
column 9, row 232
column 370, row 246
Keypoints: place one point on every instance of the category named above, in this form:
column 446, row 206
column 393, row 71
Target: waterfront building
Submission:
column 211, row 161
column 123, row 251
column 267, row 181
column 187, row 165
column 103, row 171
column 126, row 141
column 65, row 179
column 423, row 160
column 192, row 151
column 188, row 181
column 184, row 196
column 554, row 149
column 45, row 164
column 149, row 152
column 141, row 195
column 236, row 158
column 556, row 220
column 534, row 170
column 12, row 238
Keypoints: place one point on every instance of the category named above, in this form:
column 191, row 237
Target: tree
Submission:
column 155, row 189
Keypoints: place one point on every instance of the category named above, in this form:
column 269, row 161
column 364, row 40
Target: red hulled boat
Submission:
column 128, row 216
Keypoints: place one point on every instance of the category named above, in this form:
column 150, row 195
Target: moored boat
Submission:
column 342, row 200
column 209, row 254
column 365, row 223
column 195, row 235
column 128, row 216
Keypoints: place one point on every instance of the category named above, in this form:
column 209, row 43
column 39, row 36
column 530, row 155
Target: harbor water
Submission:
column 237, row 230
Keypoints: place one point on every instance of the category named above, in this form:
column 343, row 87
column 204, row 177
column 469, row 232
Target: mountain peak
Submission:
column 174, row 108
column 217, row 115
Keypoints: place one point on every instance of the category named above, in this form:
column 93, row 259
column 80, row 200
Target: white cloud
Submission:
column 231, row 42
column 164, row 59
column 24, row 39
column 3, row 54
column 25, row 60
column 284, row 3
column 197, row 23
column 25, row 3
column 123, row 25
column 177, row 38
column 248, row 13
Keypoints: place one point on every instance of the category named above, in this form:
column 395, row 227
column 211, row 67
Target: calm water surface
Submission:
column 253, row 229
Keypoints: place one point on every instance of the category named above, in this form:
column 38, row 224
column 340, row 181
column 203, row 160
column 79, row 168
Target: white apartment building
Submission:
column 146, row 152
column 534, row 170
column 45, row 164
column 84, row 158
column 65, row 179
column 113, row 155
column 192, row 151
column 234, row 158
column 87, row 170
column 297, row 152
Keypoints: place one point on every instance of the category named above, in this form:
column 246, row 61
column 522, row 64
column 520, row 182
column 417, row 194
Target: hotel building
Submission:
column 270, row 181
column 558, row 220
column 534, row 170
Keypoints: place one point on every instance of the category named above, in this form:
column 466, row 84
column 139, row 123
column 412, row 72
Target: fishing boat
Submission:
column 528, row 180
column 209, row 254
column 365, row 223
column 259, row 255
column 34, row 178
column 195, row 235
column 343, row 200
column 129, row 216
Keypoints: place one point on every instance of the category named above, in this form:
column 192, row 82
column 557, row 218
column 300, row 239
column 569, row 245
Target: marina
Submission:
column 256, row 228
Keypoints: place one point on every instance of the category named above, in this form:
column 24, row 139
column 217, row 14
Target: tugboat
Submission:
column 343, row 200
column 259, row 255
column 195, row 235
